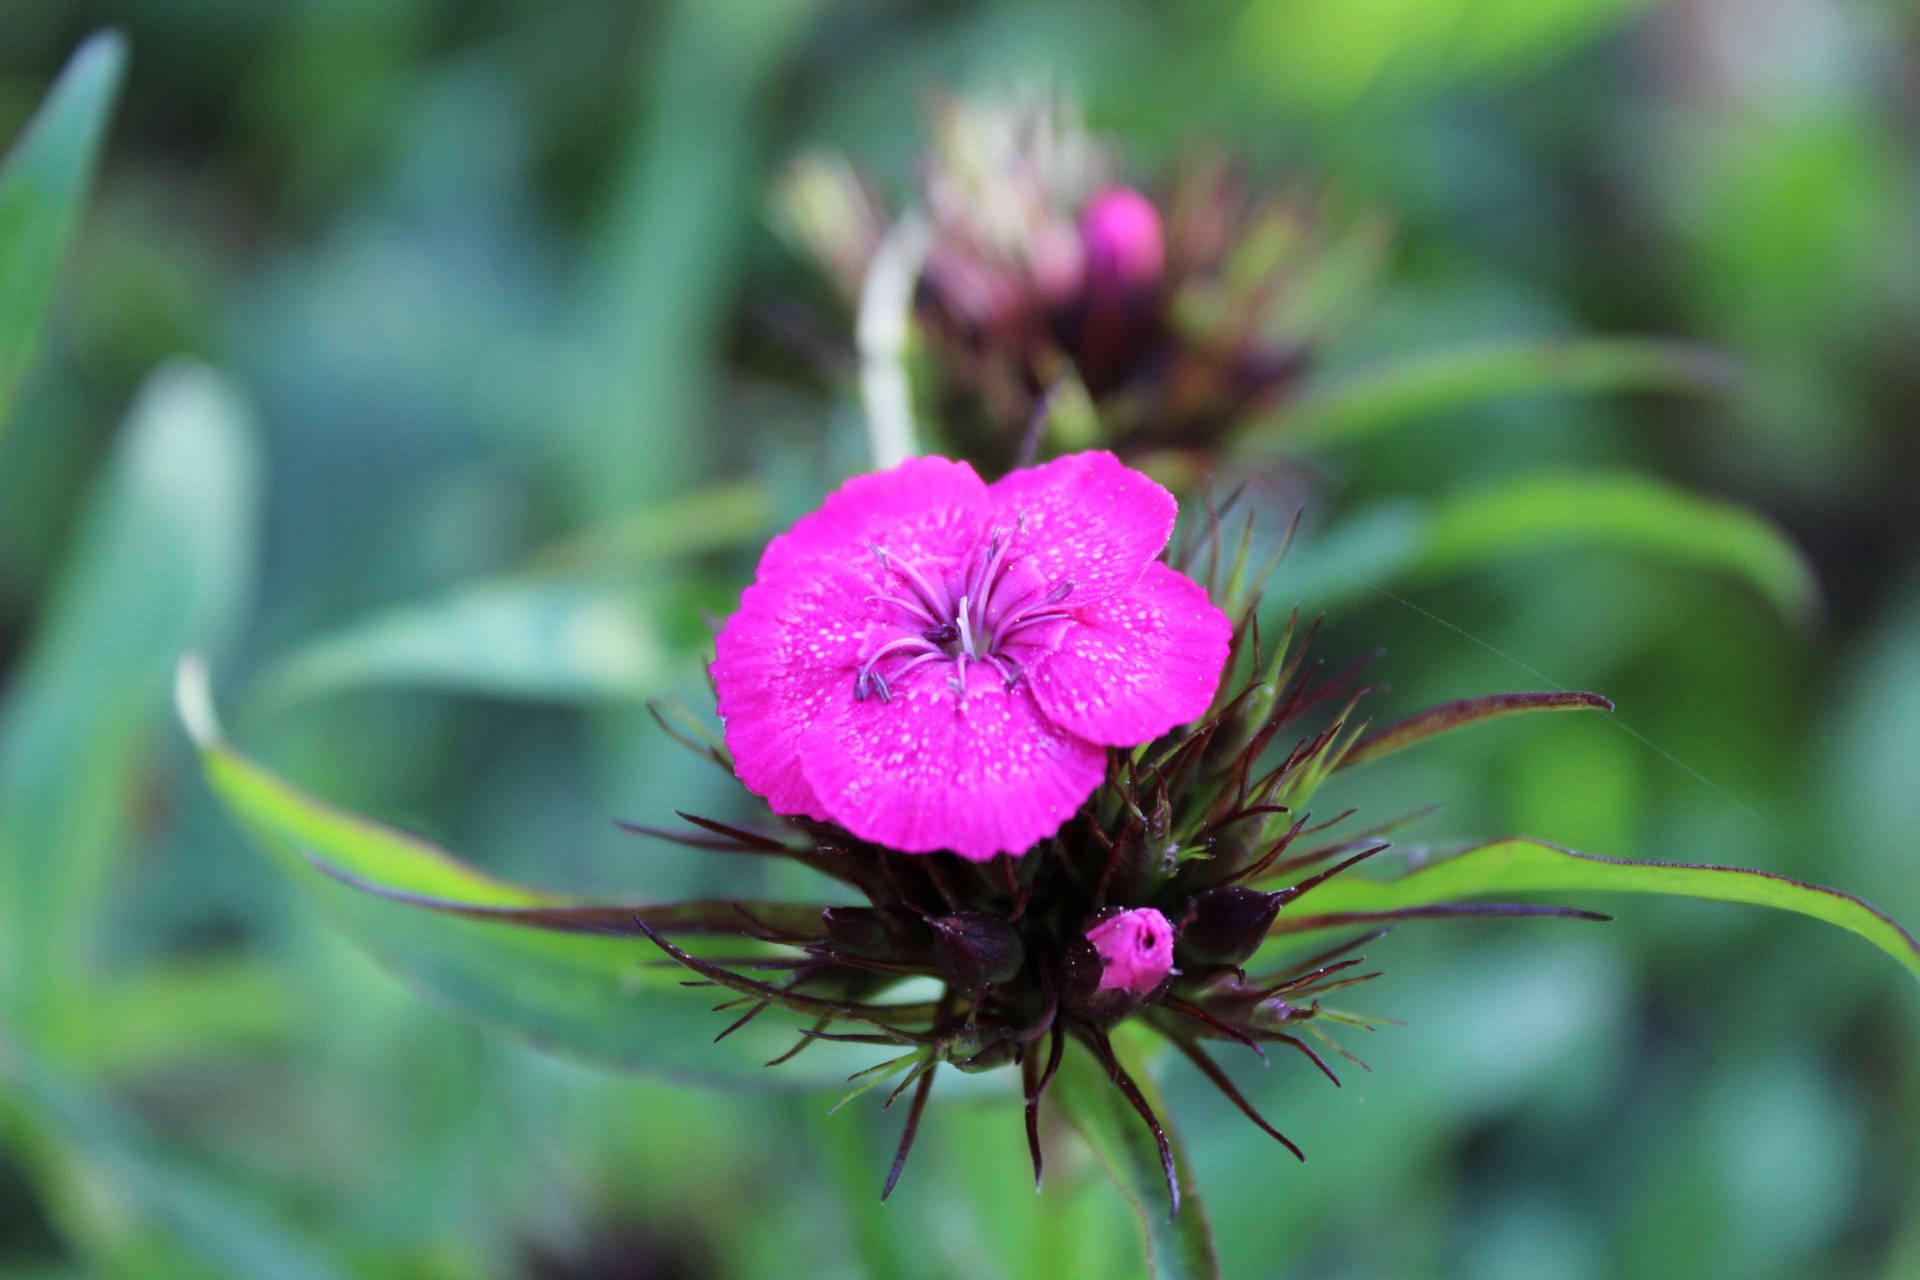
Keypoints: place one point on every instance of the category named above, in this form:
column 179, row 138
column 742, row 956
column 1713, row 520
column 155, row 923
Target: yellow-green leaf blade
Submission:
column 1523, row 866
column 602, row 999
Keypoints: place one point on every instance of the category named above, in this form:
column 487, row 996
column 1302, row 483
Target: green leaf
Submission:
column 163, row 562
column 1373, row 401
column 1624, row 511
column 82, row 1143
column 43, row 183
column 568, row 626
column 1345, row 559
column 589, row 995
column 514, row 638
column 659, row 282
column 1177, row 1247
column 1523, row 866
column 1325, row 57
column 190, row 1010
column 711, row 519
column 1392, row 542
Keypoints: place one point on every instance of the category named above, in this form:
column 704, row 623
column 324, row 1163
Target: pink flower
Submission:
column 936, row 663
column 1136, row 951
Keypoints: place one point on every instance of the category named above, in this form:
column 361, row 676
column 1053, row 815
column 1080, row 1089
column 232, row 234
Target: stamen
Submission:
column 1027, row 620
column 961, row 621
column 998, row 608
column 971, row 629
column 895, row 645
column 866, row 677
column 928, row 596
column 920, row 661
column 911, row 606
column 981, row 570
column 987, row 572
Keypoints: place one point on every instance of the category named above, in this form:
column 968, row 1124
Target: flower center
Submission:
column 959, row 619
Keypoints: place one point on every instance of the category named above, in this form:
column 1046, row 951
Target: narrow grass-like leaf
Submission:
column 214, row 1226
column 162, row 561
column 1623, row 511
column 1180, row 1248
column 1523, row 866
column 43, row 183
column 711, row 519
column 1372, row 401
column 164, row 1017
column 517, row 638
column 583, row 994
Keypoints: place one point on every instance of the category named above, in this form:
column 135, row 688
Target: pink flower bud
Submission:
column 1136, row 950
column 1125, row 252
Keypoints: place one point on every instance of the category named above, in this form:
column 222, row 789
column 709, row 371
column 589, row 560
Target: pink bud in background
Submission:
column 1136, row 950
column 1125, row 251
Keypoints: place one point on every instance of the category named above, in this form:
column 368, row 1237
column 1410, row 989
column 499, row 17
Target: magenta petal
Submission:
column 980, row 773
column 1137, row 664
column 783, row 659
column 925, row 509
column 1089, row 520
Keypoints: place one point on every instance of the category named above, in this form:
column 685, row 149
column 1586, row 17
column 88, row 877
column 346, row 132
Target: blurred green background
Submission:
column 479, row 278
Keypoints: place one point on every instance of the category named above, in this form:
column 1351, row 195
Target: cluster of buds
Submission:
column 1050, row 285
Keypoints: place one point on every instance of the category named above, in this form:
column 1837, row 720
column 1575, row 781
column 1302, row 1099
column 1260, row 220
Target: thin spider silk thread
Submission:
column 1780, row 836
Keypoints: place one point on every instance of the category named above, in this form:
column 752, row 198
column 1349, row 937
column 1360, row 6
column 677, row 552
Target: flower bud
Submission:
column 1122, row 241
column 1136, row 950
column 1225, row 926
column 822, row 205
column 875, row 934
column 976, row 950
column 1123, row 960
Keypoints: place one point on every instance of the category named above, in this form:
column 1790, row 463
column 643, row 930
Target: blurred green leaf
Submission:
column 42, row 185
column 1334, row 564
column 526, row 638
column 712, row 519
column 133, row 1188
column 1176, row 1247
column 1392, row 542
column 657, row 288
column 608, row 1000
column 569, row 627
column 1519, row 865
column 163, row 562
column 1624, row 511
column 1372, row 401
column 1328, row 56
column 162, row 1017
